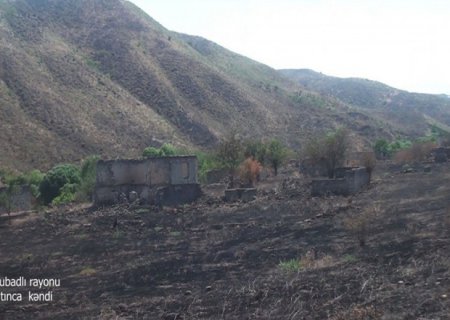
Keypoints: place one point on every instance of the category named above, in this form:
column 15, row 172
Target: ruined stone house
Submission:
column 158, row 181
column 348, row 181
column 21, row 199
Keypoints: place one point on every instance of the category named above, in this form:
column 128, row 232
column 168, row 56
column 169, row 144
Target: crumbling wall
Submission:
column 348, row 181
column 151, row 179
column 21, row 199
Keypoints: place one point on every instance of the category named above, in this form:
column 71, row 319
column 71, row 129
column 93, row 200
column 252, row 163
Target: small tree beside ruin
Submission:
column 230, row 155
column 276, row 154
column 330, row 149
column 6, row 197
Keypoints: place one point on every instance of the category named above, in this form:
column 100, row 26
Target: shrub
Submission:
column 6, row 197
column 256, row 150
column 34, row 179
column 151, row 152
column 67, row 194
column 276, row 154
column 206, row 162
column 230, row 154
column 249, row 171
column 381, row 149
column 55, row 179
column 330, row 149
column 88, row 175
column 166, row 150
column 385, row 150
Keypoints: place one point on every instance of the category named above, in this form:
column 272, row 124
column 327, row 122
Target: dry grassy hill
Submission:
column 102, row 77
column 412, row 113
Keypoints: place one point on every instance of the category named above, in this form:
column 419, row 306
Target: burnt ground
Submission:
column 381, row 254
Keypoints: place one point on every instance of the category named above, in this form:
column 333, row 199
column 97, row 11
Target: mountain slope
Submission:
column 102, row 77
column 410, row 112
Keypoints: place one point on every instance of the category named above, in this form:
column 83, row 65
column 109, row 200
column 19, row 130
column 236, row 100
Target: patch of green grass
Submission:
column 292, row 265
column 307, row 262
column 158, row 229
column 175, row 233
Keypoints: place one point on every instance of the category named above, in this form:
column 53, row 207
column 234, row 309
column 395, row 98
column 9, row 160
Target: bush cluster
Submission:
column 385, row 150
column 249, row 156
column 166, row 150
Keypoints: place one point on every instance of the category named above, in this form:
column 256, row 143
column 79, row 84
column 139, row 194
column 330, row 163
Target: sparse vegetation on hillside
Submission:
column 411, row 113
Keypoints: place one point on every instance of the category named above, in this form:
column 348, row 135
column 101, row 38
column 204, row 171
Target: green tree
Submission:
column 6, row 196
column 56, row 178
column 381, row 149
column 276, row 154
column 230, row 155
column 330, row 149
column 255, row 149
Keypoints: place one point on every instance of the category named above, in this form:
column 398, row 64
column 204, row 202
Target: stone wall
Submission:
column 155, row 181
column 348, row 181
column 21, row 199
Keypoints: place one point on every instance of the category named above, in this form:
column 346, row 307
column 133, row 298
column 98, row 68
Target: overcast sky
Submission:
column 403, row 43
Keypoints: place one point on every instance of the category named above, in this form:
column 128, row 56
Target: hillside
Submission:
column 410, row 112
column 102, row 77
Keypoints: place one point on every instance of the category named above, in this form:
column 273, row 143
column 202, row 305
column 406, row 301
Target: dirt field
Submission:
column 381, row 254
